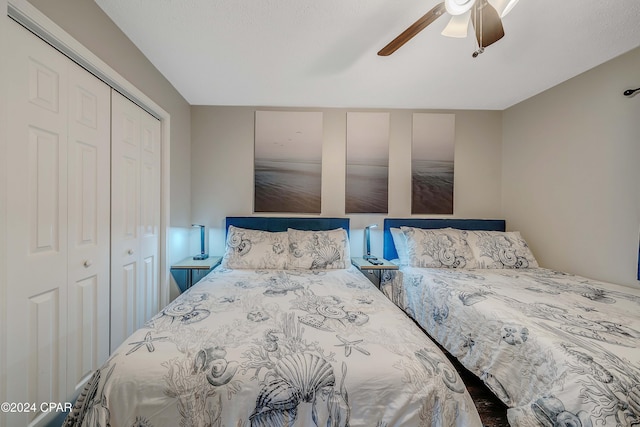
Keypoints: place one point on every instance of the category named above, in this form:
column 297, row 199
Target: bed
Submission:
column 285, row 332
column 557, row 349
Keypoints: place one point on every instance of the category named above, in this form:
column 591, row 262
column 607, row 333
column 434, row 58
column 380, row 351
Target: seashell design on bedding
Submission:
column 358, row 318
column 178, row 310
column 328, row 313
column 307, row 372
column 598, row 295
column 325, row 256
column 514, row 334
column 301, row 378
column 186, row 312
column 501, row 250
column 435, row 364
column 278, row 395
column 508, row 257
column 470, row 298
column 496, row 386
column 280, row 284
column 318, row 249
column 449, row 259
column 213, row 361
column 331, row 312
column 444, row 251
column 258, row 315
column 440, row 314
column 92, row 403
column 633, row 397
column 315, row 321
column 551, row 411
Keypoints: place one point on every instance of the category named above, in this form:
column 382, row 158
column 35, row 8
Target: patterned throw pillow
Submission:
column 312, row 250
column 438, row 248
column 255, row 249
column 497, row 249
column 400, row 242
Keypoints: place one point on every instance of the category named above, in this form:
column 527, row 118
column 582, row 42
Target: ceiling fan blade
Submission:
column 503, row 7
column 458, row 26
column 414, row 29
column 487, row 24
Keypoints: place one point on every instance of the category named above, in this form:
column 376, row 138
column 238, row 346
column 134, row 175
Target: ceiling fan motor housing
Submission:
column 458, row 7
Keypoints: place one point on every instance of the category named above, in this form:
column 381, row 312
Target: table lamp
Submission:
column 367, row 238
column 202, row 254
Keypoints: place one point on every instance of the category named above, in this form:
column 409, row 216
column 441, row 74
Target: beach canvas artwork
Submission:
column 367, row 179
column 288, row 162
column 432, row 158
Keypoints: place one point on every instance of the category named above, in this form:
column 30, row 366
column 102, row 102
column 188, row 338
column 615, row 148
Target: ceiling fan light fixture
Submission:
column 458, row 7
column 458, row 26
column 503, row 7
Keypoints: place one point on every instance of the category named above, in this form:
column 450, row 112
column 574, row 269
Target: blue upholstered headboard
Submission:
column 389, row 249
column 282, row 224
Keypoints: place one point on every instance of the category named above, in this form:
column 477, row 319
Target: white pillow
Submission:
column 255, row 249
column 498, row 249
column 400, row 242
column 438, row 248
column 312, row 250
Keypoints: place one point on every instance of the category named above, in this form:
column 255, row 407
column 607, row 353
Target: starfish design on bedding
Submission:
column 148, row 341
column 349, row 345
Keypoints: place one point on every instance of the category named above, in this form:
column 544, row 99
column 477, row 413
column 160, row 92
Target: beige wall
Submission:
column 3, row 207
column 222, row 168
column 571, row 172
column 90, row 26
column 561, row 166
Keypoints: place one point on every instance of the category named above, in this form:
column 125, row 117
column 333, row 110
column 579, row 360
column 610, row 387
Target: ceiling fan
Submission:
column 485, row 15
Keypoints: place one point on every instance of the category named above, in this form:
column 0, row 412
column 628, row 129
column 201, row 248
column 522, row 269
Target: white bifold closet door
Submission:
column 57, row 226
column 135, row 218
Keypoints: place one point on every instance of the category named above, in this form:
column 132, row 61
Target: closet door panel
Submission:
column 89, row 225
column 37, row 224
column 45, row 350
column 150, row 213
column 135, row 205
column 126, row 289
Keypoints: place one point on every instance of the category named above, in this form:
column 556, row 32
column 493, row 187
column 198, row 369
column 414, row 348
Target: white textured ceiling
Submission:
column 323, row 53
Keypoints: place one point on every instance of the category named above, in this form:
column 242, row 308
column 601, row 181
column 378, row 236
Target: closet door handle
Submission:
column 130, row 252
column 87, row 263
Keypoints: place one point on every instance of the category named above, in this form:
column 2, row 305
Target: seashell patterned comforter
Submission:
column 272, row 348
column 558, row 349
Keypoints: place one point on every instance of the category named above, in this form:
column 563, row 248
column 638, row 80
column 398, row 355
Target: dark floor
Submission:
column 493, row 412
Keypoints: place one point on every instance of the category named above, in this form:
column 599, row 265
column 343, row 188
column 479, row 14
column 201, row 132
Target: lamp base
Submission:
column 368, row 257
column 201, row 256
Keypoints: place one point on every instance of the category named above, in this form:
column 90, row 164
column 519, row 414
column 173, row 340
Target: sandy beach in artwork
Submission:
column 287, row 186
column 367, row 188
column 432, row 187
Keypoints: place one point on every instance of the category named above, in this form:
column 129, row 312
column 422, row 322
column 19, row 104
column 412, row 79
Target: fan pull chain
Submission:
column 478, row 10
column 630, row 92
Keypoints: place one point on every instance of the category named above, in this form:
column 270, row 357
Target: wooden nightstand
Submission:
column 372, row 271
column 188, row 271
